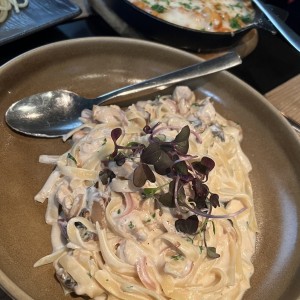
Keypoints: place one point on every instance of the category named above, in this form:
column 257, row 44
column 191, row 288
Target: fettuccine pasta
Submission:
column 152, row 202
column 7, row 5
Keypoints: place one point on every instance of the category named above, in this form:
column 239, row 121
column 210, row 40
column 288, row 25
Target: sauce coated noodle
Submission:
column 114, row 240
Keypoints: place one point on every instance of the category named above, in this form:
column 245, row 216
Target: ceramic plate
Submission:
column 36, row 16
column 93, row 66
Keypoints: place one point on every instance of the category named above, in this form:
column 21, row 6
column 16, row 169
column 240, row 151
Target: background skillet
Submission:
column 91, row 66
column 178, row 36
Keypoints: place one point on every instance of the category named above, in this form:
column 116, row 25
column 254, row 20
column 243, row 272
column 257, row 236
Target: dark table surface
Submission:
column 272, row 63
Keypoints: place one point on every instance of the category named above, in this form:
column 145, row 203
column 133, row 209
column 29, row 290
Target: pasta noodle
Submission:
column 7, row 5
column 152, row 202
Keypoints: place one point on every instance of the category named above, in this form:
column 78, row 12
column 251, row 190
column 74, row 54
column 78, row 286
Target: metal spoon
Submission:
column 292, row 37
column 55, row 113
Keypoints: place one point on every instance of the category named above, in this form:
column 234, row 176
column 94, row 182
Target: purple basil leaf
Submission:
column 189, row 225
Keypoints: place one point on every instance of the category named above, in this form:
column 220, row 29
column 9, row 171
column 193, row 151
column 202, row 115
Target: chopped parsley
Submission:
column 130, row 225
column 158, row 8
column 177, row 257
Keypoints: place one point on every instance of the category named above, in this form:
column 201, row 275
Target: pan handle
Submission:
column 292, row 37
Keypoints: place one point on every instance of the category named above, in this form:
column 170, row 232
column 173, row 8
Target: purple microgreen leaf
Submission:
column 149, row 173
column 189, row 225
column 120, row 159
column 167, row 200
column 181, row 168
column 212, row 252
column 115, row 134
column 204, row 166
column 183, row 135
column 208, row 163
column 181, row 142
column 106, row 176
column 200, row 189
column 147, row 129
column 164, row 164
column 141, row 174
column 214, row 200
column 186, row 178
column 151, row 154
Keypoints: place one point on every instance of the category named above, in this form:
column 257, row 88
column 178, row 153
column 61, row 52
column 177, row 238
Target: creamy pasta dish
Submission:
column 206, row 15
column 152, row 202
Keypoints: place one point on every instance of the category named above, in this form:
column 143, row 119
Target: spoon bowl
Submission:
column 55, row 113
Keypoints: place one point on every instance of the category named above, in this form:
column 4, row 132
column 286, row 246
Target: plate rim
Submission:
column 8, row 285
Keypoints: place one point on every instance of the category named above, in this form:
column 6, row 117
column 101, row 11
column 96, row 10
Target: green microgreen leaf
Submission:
column 149, row 192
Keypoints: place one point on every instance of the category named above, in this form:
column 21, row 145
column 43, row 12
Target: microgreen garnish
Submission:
column 141, row 174
column 189, row 225
column 106, row 176
column 212, row 252
column 185, row 173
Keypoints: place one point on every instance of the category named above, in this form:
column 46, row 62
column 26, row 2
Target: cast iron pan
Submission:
column 181, row 37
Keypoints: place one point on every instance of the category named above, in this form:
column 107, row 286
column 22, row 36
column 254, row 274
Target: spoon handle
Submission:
column 292, row 37
column 223, row 62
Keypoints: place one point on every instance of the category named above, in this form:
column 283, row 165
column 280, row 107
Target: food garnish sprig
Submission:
column 171, row 159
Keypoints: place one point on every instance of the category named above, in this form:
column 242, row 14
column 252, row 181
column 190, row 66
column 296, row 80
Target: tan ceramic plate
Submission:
column 95, row 65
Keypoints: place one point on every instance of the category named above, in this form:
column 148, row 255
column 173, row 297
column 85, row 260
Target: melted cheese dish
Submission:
column 204, row 15
column 152, row 202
